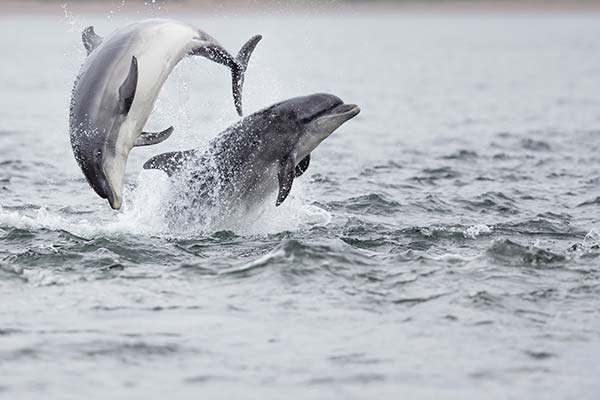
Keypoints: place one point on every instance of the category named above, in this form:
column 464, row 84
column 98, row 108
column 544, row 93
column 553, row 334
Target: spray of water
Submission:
column 199, row 201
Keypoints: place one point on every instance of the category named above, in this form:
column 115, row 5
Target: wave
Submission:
column 372, row 203
column 449, row 231
column 432, row 175
column 293, row 257
column 492, row 201
column 507, row 252
column 544, row 224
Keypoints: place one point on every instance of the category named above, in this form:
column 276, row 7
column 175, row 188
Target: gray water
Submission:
column 443, row 244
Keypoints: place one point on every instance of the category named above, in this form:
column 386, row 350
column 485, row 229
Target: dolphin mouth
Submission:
column 342, row 111
column 348, row 110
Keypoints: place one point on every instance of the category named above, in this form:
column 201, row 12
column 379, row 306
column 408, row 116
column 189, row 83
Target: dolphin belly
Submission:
column 175, row 41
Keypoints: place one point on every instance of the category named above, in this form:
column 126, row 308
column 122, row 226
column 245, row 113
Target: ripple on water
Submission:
column 431, row 176
column 507, row 252
column 134, row 350
column 497, row 202
column 592, row 202
column 462, row 155
column 299, row 258
column 433, row 203
column 535, row 145
column 373, row 203
column 549, row 225
column 441, row 232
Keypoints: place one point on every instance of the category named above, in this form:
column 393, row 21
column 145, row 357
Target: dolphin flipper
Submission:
column 128, row 88
column 90, row 39
column 150, row 138
column 169, row 162
column 286, row 179
column 302, row 166
column 215, row 52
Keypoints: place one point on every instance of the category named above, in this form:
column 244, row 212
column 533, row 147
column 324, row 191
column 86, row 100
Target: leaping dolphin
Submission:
column 257, row 157
column 118, row 84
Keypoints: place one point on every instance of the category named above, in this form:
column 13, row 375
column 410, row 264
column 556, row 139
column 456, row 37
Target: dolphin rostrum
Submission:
column 118, row 84
column 257, row 157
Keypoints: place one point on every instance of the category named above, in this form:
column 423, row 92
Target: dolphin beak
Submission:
column 355, row 110
column 341, row 114
column 347, row 110
column 114, row 181
column 115, row 200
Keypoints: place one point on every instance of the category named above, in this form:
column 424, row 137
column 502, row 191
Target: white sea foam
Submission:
column 45, row 219
column 144, row 214
column 592, row 238
column 473, row 232
column 43, row 277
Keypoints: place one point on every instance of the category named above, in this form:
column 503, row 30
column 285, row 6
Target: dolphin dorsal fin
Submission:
column 150, row 138
column 127, row 89
column 169, row 162
column 302, row 166
column 90, row 39
column 286, row 179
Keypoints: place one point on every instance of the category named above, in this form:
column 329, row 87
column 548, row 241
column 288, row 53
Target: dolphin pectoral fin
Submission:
column 170, row 162
column 286, row 179
column 239, row 70
column 90, row 39
column 150, row 138
column 128, row 88
column 302, row 166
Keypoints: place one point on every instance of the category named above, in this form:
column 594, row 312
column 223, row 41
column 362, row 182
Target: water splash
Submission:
column 592, row 239
column 173, row 207
column 82, row 227
column 75, row 23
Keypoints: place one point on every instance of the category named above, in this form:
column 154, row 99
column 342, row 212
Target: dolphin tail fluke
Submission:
column 239, row 69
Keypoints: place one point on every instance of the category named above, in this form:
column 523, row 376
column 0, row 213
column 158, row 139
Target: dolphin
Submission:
column 257, row 157
column 117, row 87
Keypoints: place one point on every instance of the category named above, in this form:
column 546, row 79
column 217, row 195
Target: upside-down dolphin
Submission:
column 118, row 84
column 258, row 156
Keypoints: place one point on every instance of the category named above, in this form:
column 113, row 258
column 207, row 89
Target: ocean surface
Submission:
column 443, row 244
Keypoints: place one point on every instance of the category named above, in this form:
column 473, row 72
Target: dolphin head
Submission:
column 102, row 165
column 101, row 129
column 318, row 116
column 96, row 139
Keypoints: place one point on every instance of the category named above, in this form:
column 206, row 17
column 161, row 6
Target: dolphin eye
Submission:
column 98, row 153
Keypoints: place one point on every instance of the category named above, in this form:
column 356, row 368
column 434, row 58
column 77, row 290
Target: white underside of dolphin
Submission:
column 118, row 85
